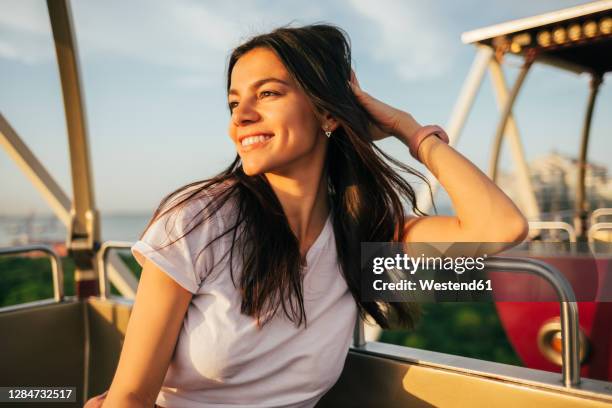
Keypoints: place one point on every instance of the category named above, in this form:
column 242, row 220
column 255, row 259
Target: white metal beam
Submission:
column 459, row 116
column 526, row 191
column 34, row 170
column 119, row 274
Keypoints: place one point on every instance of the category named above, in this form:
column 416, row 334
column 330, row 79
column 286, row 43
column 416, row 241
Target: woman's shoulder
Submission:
column 182, row 237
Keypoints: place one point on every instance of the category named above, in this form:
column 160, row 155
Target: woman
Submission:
column 250, row 281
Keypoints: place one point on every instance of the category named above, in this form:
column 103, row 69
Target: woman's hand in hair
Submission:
column 389, row 121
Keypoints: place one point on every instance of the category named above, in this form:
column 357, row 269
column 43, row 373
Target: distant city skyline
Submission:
column 153, row 76
column 554, row 178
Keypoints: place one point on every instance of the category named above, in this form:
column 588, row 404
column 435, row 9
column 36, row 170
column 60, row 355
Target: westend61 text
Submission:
column 430, row 284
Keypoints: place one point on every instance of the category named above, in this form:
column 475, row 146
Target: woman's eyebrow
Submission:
column 259, row 83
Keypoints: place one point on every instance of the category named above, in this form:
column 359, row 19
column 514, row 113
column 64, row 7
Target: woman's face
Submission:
column 265, row 101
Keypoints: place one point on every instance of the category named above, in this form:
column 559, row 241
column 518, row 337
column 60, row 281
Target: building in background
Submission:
column 554, row 177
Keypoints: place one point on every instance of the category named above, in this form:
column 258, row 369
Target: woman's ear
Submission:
column 329, row 122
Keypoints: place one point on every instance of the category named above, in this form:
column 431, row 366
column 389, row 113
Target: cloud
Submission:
column 25, row 32
column 415, row 38
column 174, row 34
column 409, row 36
column 192, row 37
column 26, row 16
column 8, row 50
column 195, row 38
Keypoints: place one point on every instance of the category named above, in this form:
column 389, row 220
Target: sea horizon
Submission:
column 19, row 229
column 22, row 229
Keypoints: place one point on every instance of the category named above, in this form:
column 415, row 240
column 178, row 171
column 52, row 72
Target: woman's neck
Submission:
column 305, row 201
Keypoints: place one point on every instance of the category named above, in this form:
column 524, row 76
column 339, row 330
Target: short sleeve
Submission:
column 180, row 259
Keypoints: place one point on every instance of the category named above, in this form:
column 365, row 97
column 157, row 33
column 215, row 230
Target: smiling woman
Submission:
column 273, row 119
column 251, row 280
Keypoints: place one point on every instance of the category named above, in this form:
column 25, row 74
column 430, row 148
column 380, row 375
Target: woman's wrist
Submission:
column 415, row 141
column 412, row 134
column 426, row 144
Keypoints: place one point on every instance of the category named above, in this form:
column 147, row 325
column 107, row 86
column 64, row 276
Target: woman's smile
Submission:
column 253, row 142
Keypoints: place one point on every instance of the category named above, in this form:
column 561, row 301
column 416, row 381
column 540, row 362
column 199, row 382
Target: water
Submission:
column 15, row 230
column 20, row 230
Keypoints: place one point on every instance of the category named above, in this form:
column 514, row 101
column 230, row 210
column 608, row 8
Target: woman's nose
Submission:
column 244, row 113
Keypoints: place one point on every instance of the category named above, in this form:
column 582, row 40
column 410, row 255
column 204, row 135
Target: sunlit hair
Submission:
column 365, row 191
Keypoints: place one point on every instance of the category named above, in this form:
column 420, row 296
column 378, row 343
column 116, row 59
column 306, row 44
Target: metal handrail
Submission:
column 570, row 353
column 569, row 310
column 57, row 271
column 554, row 225
column 102, row 254
column 600, row 212
column 597, row 227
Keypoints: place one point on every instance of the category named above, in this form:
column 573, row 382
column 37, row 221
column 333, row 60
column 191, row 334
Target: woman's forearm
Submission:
column 480, row 205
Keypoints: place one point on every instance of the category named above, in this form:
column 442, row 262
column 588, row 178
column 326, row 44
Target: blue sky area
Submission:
column 153, row 74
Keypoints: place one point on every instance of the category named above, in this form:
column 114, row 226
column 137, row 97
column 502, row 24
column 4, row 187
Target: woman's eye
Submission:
column 268, row 92
column 262, row 94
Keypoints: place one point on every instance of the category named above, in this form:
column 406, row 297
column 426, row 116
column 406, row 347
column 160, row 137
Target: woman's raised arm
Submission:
column 153, row 329
column 484, row 212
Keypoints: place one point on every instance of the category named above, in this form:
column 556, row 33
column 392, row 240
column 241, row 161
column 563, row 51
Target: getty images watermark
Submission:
column 410, row 265
column 440, row 272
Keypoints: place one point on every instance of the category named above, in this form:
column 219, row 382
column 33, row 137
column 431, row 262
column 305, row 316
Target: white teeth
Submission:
column 254, row 139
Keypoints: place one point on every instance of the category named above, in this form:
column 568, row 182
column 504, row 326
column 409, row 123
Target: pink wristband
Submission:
column 421, row 134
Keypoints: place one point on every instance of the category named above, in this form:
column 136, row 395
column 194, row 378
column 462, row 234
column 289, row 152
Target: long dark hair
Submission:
column 365, row 191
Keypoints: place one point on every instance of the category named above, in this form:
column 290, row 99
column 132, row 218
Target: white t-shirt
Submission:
column 221, row 358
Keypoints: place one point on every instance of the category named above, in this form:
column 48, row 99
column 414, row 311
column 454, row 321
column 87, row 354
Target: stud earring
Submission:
column 328, row 133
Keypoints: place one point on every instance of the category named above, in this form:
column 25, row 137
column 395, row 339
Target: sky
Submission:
column 154, row 74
